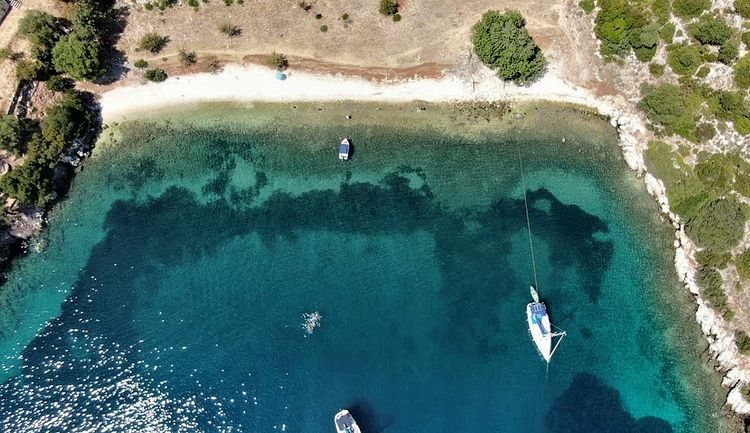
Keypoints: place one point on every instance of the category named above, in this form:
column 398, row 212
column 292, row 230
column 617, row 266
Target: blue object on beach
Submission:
column 280, row 76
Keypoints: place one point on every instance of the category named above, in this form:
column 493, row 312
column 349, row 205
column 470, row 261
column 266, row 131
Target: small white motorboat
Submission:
column 344, row 149
column 345, row 423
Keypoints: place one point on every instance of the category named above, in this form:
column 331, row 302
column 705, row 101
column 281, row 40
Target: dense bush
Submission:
column 703, row 71
column 709, row 280
column 587, row 5
column 43, row 31
column 157, row 75
column 277, row 61
column 152, row 42
column 502, row 42
column 686, row 193
column 742, row 7
column 656, row 69
column 666, row 33
column 670, row 109
column 719, row 224
column 57, row 83
column 690, row 8
column 12, row 132
column 684, row 59
column 619, row 24
column 30, row 70
column 742, row 263
column 388, row 7
column 187, row 58
column 711, row 259
column 324, row 28
column 742, row 72
column 644, row 42
column 711, row 30
column 743, row 342
column 140, row 64
column 79, row 57
column 728, row 52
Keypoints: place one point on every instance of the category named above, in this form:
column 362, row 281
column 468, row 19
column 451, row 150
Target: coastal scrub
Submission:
column 502, row 42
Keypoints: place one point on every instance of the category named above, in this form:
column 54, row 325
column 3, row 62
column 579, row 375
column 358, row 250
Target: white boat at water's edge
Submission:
column 344, row 149
column 345, row 422
column 541, row 328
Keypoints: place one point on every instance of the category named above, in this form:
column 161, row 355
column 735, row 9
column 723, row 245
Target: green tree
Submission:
column 70, row 118
column 587, row 5
column 711, row 30
column 644, row 41
column 12, row 133
column 684, row 59
column 277, row 61
column 502, row 42
column 40, row 28
column 666, row 33
column 690, row 8
column 743, row 342
column 153, row 42
column 57, row 83
column 78, row 57
column 742, row 72
column 388, row 7
column 29, row 70
column 742, row 263
column 157, row 75
column 670, row 109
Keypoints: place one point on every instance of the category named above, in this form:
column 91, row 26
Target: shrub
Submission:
column 742, row 7
column 613, row 24
column 140, row 64
column 742, row 262
column 656, row 69
column 29, row 70
column 706, row 131
column 666, row 33
column 388, row 7
column 709, row 280
column 644, row 41
column 703, row 71
column 396, row 18
column 230, row 30
column 79, row 57
column 711, row 259
column 193, row 3
column 148, row 6
column 730, row 105
column 6, row 53
column 318, row 16
column 187, row 58
column 587, row 5
column 669, row 109
column 684, row 59
column 157, row 75
column 728, row 52
column 344, row 17
column 719, row 224
column 305, row 6
column 742, row 72
column 502, row 42
column 711, row 30
column 12, row 134
column 324, row 28
column 228, row 2
column 690, row 8
column 743, row 342
column 684, row 190
column 153, row 42
column 277, row 61
column 57, row 83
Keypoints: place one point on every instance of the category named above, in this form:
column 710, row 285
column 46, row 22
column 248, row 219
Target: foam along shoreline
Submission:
column 258, row 84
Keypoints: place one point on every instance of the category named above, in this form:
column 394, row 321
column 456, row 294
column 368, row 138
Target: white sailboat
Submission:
column 541, row 328
column 345, row 422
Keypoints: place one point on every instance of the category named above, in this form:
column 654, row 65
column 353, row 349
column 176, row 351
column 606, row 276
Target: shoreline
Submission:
column 259, row 84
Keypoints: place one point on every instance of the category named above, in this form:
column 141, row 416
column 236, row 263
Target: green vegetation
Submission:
column 187, row 58
column 396, row 18
column 728, row 52
column 703, row 71
column 711, row 30
column 12, row 134
column 78, row 57
column 710, row 259
column 141, row 64
column 324, row 28
column 745, row 38
column 709, row 279
column 670, row 109
column 656, row 69
column 684, row 59
column 622, row 26
column 30, row 70
column 743, row 342
column 742, row 7
column 730, row 105
column 502, row 42
column 318, row 16
column 742, row 262
column 157, row 75
column 388, row 7
column 305, row 6
column 152, row 42
column 690, row 8
column 718, row 224
column 277, row 61
column 6, row 53
column 69, row 119
column 742, row 72
column 57, row 83
column 666, row 33
column 587, row 5
column 230, row 30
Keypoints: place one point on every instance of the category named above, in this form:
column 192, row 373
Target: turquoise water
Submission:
column 171, row 289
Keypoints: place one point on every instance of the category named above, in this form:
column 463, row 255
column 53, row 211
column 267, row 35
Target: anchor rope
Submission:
column 528, row 222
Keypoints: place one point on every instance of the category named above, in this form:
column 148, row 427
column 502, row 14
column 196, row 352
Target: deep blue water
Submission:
column 175, row 278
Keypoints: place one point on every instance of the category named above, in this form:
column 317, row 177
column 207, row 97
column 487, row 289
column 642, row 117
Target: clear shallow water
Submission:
column 177, row 273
